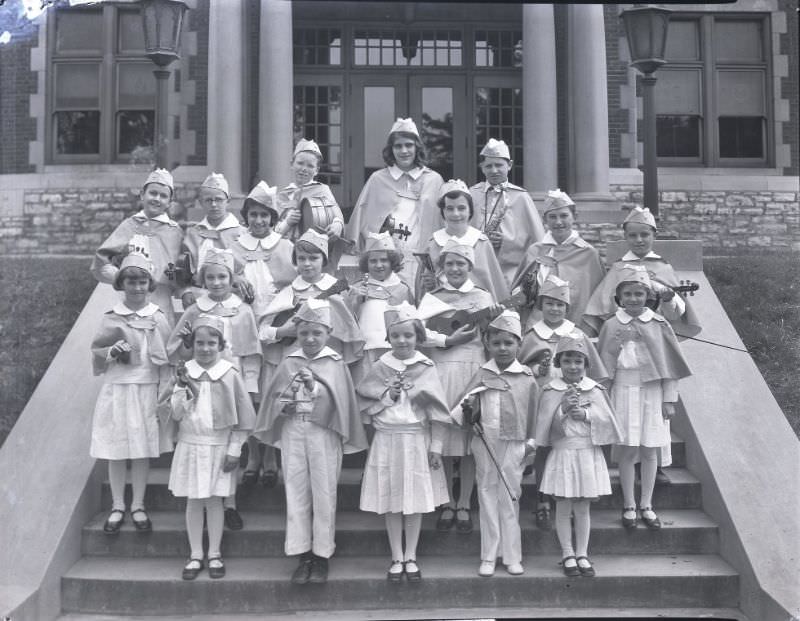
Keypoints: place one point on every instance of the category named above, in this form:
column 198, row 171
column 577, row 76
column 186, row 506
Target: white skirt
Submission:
column 397, row 477
column 576, row 473
column 455, row 375
column 125, row 424
column 638, row 407
column 197, row 471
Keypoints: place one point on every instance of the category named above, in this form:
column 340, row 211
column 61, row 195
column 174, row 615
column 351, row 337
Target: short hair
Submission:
column 557, row 359
column 133, row 272
column 456, row 194
column 395, row 260
column 540, row 298
column 171, row 191
column 308, row 248
column 420, row 157
column 440, row 260
column 214, row 331
column 491, row 331
column 651, row 299
column 299, row 321
column 314, row 153
column 249, row 202
column 201, row 273
column 419, row 331
column 571, row 208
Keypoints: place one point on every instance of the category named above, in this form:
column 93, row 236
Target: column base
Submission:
column 598, row 207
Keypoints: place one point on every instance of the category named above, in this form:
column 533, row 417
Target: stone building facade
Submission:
column 78, row 103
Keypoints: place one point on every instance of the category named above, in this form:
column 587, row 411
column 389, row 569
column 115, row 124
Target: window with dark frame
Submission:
column 712, row 96
column 103, row 88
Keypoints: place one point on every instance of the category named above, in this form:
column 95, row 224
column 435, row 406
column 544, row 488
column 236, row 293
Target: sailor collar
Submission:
column 220, row 368
column 574, row 238
column 465, row 288
column 163, row 218
column 415, row 173
column 558, row 383
column 400, row 365
column 546, row 332
column 325, row 352
column 249, row 242
column 294, row 186
column 470, row 238
column 228, row 222
column 630, row 256
column 390, row 281
column 648, row 314
column 205, row 303
column 148, row 311
column 514, row 367
column 323, row 284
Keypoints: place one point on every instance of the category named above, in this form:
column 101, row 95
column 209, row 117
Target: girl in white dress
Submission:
column 129, row 351
column 404, row 401
column 575, row 418
column 215, row 414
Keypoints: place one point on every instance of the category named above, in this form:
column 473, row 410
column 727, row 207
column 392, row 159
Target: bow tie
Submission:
column 500, row 187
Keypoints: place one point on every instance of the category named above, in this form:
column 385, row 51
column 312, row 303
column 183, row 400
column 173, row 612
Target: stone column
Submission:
column 226, row 62
column 588, row 97
column 275, row 92
column 539, row 114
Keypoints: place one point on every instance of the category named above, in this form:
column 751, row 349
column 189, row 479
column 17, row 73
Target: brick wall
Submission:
column 617, row 71
column 789, row 84
column 17, row 128
column 198, row 71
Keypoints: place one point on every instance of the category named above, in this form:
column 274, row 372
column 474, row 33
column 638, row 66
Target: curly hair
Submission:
column 420, row 156
column 213, row 331
column 310, row 249
column 133, row 272
column 419, row 331
column 456, row 194
column 395, row 260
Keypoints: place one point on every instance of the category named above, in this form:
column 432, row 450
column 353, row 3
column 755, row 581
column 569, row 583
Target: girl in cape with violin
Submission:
column 403, row 399
column 457, row 353
column 381, row 287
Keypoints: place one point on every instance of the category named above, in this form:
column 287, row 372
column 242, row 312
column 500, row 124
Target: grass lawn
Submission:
column 761, row 294
column 43, row 298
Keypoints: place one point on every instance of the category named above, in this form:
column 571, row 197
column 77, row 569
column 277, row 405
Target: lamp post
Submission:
column 646, row 32
column 162, row 20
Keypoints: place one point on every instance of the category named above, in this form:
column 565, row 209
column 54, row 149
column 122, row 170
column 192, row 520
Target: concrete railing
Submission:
column 49, row 489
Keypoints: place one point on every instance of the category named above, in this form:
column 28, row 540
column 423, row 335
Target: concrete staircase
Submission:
column 676, row 571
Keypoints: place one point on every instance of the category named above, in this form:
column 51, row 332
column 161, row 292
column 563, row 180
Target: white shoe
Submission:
column 486, row 569
column 515, row 569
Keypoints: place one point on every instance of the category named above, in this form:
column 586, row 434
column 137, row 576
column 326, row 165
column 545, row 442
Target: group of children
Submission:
column 482, row 361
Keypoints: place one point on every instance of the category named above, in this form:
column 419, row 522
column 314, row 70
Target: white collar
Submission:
column 325, row 352
column 544, row 331
column 465, row 288
column 396, row 173
column 391, row 280
column 470, row 238
column 624, row 318
column 249, row 242
column 228, row 222
column 148, row 310
column 400, row 365
column 220, row 368
column 323, row 284
column 574, row 238
column 514, row 367
column 205, row 303
column 162, row 217
column 558, row 383
column 498, row 186
column 294, row 186
column 630, row 256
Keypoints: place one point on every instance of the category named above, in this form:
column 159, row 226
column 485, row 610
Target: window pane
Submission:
column 437, row 128
column 498, row 114
column 77, row 85
column 677, row 136
column 498, row 48
column 738, row 40
column 317, row 116
column 77, row 132
column 317, row 46
column 416, row 48
column 79, row 31
column 683, row 40
column 677, row 91
column 741, row 93
column 137, row 86
column 379, row 115
column 131, row 32
column 135, row 129
column 741, row 137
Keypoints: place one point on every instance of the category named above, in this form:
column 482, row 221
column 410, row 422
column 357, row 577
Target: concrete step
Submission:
column 683, row 493
column 114, row 585
column 686, row 531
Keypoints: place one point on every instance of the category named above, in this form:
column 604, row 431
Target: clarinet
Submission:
column 497, row 217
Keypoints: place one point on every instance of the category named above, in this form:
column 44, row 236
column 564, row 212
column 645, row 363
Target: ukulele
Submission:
column 282, row 317
column 447, row 324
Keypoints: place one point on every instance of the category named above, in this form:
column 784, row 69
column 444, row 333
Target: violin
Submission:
column 447, row 324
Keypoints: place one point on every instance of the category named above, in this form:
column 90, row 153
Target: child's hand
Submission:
column 231, row 463
column 395, row 390
column 292, row 216
column 569, row 401
column 245, row 288
column 334, row 229
column 434, row 461
column 183, row 380
column 668, row 410
column 305, row 376
column 496, row 237
column 666, row 294
column 359, row 288
column 472, row 415
column 186, row 334
column 464, row 334
column 428, row 281
column 187, row 299
column 287, row 330
column 120, row 351
column 577, row 413
column 290, row 409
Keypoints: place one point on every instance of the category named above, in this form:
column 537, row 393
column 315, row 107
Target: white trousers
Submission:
column 312, row 460
column 499, row 516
